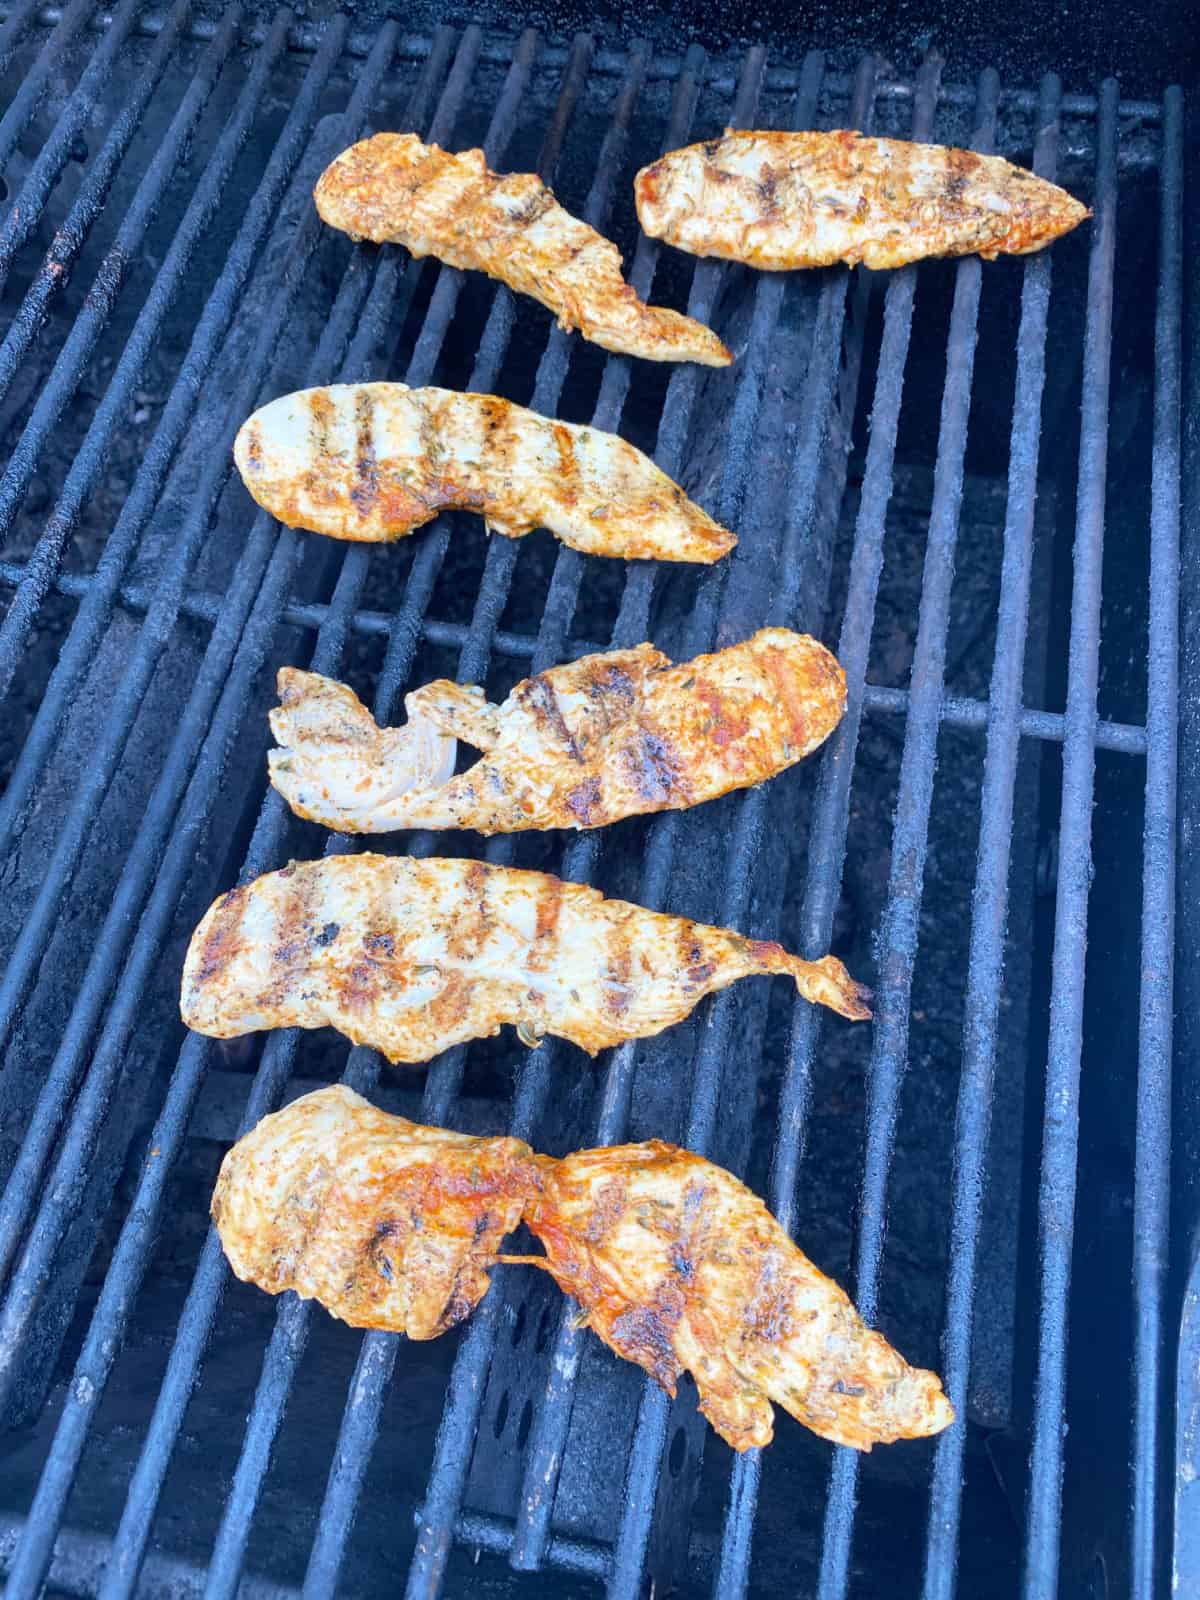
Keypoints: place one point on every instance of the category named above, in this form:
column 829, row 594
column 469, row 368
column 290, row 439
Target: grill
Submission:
column 1001, row 1135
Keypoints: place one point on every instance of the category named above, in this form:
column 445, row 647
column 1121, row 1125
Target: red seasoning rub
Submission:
column 372, row 461
column 783, row 200
column 412, row 956
column 387, row 1223
column 579, row 746
column 678, row 1267
column 394, row 189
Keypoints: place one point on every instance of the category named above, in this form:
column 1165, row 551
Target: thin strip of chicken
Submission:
column 411, row 956
column 372, row 461
column 678, row 1267
column 784, row 200
column 387, row 1223
column 394, row 189
column 579, row 746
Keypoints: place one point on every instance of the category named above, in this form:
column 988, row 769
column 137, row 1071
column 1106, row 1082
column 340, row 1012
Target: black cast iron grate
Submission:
column 269, row 594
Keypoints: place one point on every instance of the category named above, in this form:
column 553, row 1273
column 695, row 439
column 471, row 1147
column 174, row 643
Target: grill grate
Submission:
column 282, row 596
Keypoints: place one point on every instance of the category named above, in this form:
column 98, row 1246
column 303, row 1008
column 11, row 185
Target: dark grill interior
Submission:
column 964, row 477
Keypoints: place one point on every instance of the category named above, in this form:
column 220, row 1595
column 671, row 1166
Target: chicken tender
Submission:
column 678, row 1267
column 395, row 189
column 411, row 956
column 387, row 1223
column 372, row 461
column 605, row 737
column 784, row 200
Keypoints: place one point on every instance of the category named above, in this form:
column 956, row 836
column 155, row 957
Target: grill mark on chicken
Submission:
column 785, row 200
column 387, row 1223
column 540, row 697
column 605, row 737
column 545, row 934
column 365, row 492
column 656, row 770
column 374, row 461
column 393, row 188
column 467, row 933
column 677, row 1266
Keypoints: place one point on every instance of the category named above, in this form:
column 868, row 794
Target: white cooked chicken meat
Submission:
column 411, row 956
column 392, row 188
column 608, row 736
column 372, row 461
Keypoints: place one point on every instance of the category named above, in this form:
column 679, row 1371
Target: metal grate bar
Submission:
column 63, row 381
column 142, row 864
column 985, row 962
column 1056, row 1197
column 1152, row 1159
column 289, row 1336
column 196, row 1321
column 46, row 170
column 51, row 58
column 957, row 711
column 899, row 929
column 465, row 1394
column 129, row 1261
column 819, row 387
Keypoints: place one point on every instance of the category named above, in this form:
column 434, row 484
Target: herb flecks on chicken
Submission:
column 582, row 745
column 782, row 200
column 678, row 1267
column 370, row 462
column 412, row 956
column 394, row 189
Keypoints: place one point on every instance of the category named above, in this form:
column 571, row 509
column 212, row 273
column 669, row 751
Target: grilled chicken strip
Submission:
column 394, row 189
column 412, row 956
column 373, row 461
column 678, row 1267
column 605, row 737
column 783, row 200
column 387, row 1223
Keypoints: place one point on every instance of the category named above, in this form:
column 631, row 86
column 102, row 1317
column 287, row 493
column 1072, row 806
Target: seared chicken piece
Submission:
column 582, row 745
column 412, row 956
column 387, row 1223
column 373, row 461
column 678, row 1267
column 394, row 189
column 782, row 200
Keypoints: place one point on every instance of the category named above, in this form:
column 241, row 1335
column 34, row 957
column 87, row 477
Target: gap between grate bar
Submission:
column 958, row 711
column 1152, row 1158
column 1056, row 1195
column 985, row 961
column 293, row 1318
column 361, row 1419
column 459, row 1422
column 129, row 1259
column 144, row 862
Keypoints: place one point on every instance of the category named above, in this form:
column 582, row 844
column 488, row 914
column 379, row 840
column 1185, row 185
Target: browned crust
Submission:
column 815, row 199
